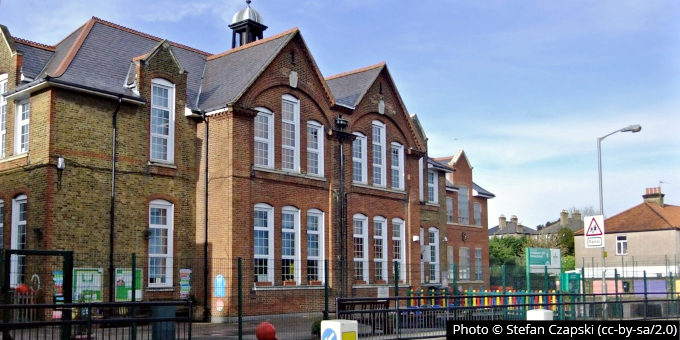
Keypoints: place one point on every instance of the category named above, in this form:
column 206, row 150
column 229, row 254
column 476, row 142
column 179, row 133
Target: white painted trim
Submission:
column 400, row 164
column 170, row 156
column 320, row 150
column 19, row 123
column 14, row 239
column 421, row 179
column 399, row 223
column 361, row 138
column 270, row 238
column 364, row 235
column 433, row 188
column 3, row 115
column 382, row 143
column 434, row 250
column 381, row 261
column 169, row 256
column 322, row 245
column 297, row 258
column 296, row 129
column 263, row 112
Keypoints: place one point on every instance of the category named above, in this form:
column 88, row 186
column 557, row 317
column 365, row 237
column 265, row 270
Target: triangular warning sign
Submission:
column 593, row 229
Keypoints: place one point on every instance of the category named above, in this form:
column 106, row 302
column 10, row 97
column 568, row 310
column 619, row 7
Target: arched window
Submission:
column 399, row 246
column 161, row 230
column 360, row 248
column 378, row 142
column 263, row 243
column 290, row 245
column 290, row 133
column 359, row 167
column 315, row 149
column 264, row 138
column 18, row 240
column 162, row 121
column 379, row 250
column 315, row 245
column 397, row 166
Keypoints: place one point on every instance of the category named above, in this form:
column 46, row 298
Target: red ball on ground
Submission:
column 265, row 331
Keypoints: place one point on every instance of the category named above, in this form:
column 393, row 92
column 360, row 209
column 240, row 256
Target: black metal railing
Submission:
column 118, row 320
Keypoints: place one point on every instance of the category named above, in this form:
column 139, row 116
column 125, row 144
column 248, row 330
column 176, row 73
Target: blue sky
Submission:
column 524, row 87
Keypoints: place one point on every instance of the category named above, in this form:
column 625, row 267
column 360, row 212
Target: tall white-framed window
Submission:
column 21, row 126
column 397, row 166
column 3, row 115
column 379, row 250
column 463, row 205
column 160, row 243
column 432, row 187
column 290, row 133
column 360, row 248
column 621, row 245
column 449, row 210
column 18, row 240
column 162, row 121
column 464, row 263
column 315, row 245
column 399, row 246
column 433, row 243
column 378, row 142
column 421, row 180
column 359, row 168
column 315, row 149
column 478, row 213
column 264, row 138
column 290, row 245
column 263, row 243
column 2, row 223
column 478, row 264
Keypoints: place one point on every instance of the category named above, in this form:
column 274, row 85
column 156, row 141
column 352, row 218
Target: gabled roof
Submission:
column 511, row 230
column 229, row 74
column 643, row 217
column 349, row 88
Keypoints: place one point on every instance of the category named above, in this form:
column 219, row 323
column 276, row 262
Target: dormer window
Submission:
column 162, row 121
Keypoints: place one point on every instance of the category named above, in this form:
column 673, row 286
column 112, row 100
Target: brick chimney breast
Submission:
column 654, row 195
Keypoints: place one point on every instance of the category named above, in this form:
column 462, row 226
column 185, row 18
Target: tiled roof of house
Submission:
column 643, row 217
column 511, row 229
column 350, row 87
column 35, row 56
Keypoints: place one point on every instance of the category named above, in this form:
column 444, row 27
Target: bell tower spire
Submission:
column 247, row 26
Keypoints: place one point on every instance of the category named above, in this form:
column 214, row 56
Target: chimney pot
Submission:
column 654, row 195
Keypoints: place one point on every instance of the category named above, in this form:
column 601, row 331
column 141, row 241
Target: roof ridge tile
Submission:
column 359, row 70
column 252, row 44
column 34, row 44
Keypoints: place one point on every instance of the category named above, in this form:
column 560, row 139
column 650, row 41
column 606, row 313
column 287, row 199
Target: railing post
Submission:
column 505, row 298
column 583, row 290
column 396, row 294
column 619, row 309
column 68, row 295
column 133, row 330
column 672, row 297
column 325, row 289
column 545, row 278
column 240, row 299
column 644, row 277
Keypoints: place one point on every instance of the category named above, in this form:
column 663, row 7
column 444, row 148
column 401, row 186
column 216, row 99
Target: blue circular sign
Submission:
column 329, row 334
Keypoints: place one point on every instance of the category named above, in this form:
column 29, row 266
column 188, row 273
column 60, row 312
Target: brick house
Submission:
column 250, row 153
column 466, row 219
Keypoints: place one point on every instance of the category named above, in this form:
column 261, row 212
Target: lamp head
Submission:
column 632, row 128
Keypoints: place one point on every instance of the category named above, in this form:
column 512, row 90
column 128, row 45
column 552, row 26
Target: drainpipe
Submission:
column 206, row 304
column 112, row 216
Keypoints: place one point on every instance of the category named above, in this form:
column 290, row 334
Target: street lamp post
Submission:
column 631, row 128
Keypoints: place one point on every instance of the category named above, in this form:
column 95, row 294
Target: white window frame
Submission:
column 296, row 257
column 319, row 150
column 380, row 238
column 19, row 123
column 296, row 129
column 477, row 211
column 464, row 269
column 399, row 225
column 364, row 236
column 320, row 232
column 269, row 141
column 421, row 186
column 434, row 254
column 621, row 245
column 2, row 224
column 3, row 114
column 479, row 274
column 450, row 213
column 383, row 154
column 269, row 228
column 169, row 226
column 18, row 262
column 399, row 167
column 360, row 138
column 432, row 187
column 463, row 205
column 170, row 137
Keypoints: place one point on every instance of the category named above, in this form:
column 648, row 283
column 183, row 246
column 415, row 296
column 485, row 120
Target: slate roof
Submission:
column 35, row 57
column 481, row 191
column 510, row 229
column 350, row 87
column 643, row 217
column 439, row 166
column 228, row 74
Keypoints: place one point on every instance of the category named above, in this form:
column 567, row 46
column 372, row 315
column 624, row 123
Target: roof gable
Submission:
column 349, row 88
column 8, row 40
column 643, row 217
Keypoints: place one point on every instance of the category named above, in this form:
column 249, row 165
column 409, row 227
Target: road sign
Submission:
column 594, row 231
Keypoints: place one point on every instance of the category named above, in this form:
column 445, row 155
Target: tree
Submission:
column 507, row 250
column 585, row 211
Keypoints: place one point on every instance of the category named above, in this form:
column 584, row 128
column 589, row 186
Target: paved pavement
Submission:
column 288, row 327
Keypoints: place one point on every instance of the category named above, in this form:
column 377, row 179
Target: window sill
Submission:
column 363, row 185
column 162, row 164
column 289, row 173
column 159, row 289
column 279, row 288
column 432, row 204
column 375, row 285
column 466, row 225
column 15, row 157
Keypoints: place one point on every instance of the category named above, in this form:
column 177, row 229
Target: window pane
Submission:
column 287, row 221
column 358, row 247
column 357, row 148
column 160, row 121
column 288, row 244
column 357, row 172
column 261, row 242
column 313, row 163
column 312, row 137
column 313, row 245
column 288, row 109
column 312, row 223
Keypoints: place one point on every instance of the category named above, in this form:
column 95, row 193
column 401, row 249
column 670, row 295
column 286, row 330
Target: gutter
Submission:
column 48, row 81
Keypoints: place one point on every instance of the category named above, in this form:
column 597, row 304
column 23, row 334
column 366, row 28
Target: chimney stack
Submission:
column 513, row 220
column 564, row 218
column 654, row 195
column 502, row 222
column 576, row 215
